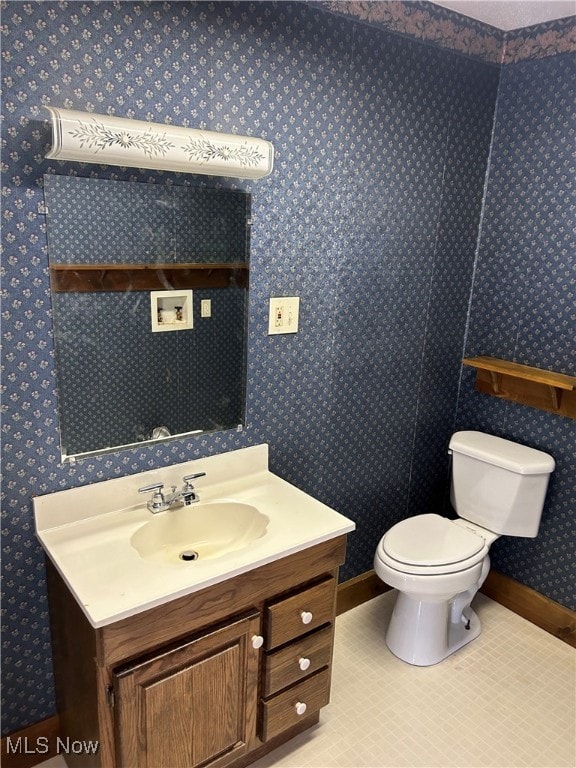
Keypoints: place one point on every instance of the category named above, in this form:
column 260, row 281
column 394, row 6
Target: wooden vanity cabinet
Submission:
column 213, row 679
column 191, row 705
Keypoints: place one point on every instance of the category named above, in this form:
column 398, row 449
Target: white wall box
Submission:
column 171, row 310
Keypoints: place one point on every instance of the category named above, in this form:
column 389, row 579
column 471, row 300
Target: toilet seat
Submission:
column 430, row 544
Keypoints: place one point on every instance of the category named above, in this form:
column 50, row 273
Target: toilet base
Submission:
column 423, row 633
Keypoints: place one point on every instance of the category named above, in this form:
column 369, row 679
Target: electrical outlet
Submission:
column 283, row 314
column 206, row 308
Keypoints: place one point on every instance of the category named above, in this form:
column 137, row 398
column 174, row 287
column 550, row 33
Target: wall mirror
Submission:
column 150, row 295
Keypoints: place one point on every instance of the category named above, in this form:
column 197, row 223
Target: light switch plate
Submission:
column 283, row 314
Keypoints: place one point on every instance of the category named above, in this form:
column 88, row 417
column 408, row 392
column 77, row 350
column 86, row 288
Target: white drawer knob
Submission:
column 300, row 708
column 257, row 641
column 303, row 663
column 306, row 617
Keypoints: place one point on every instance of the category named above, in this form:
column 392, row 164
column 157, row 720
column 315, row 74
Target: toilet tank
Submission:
column 498, row 484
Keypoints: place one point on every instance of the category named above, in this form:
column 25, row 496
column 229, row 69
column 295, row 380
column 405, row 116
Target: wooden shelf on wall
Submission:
column 146, row 277
column 549, row 391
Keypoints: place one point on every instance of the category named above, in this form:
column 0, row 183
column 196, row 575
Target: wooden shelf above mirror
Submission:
column 549, row 391
column 146, row 277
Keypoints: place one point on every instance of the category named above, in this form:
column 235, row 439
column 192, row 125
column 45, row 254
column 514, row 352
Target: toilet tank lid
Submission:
column 502, row 453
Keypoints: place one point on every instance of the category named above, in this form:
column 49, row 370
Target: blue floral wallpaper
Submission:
column 524, row 298
column 98, row 221
column 371, row 216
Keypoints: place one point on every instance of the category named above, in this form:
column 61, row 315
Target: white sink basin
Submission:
column 199, row 532
column 119, row 560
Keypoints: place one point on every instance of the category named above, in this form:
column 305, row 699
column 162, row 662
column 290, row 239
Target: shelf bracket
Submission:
column 496, row 379
column 556, row 395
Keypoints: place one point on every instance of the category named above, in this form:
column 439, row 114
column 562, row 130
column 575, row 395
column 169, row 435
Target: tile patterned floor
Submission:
column 507, row 700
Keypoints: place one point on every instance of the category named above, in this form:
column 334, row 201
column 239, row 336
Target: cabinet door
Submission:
column 190, row 705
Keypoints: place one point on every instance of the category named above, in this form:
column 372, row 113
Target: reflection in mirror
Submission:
column 150, row 296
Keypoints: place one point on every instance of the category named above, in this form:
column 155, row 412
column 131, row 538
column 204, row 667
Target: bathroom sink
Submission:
column 199, row 532
column 118, row 559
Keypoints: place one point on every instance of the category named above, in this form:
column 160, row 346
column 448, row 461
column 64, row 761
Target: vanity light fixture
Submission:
column 107, row 140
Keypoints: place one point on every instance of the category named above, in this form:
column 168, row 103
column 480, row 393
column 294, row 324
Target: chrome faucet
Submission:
column 159, row 502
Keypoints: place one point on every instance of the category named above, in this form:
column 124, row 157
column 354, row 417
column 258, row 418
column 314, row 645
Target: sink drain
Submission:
column 188, row 555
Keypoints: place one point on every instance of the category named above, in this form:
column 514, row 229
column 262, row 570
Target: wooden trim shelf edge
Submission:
column 84, row 278
column 537, row 388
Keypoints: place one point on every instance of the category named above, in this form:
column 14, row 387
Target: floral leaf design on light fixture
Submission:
column 202, row 150
column 97, row 136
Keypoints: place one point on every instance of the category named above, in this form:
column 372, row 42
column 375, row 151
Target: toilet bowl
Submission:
column 437, row 565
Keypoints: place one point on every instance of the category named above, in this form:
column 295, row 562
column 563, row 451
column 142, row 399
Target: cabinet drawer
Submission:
column 293, row 616
column 298, row 660
column 287, row 709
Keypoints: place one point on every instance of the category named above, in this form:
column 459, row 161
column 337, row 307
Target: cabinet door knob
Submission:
column 300, row 708
column 257, row 641
column 303, row 663
column 306, row 617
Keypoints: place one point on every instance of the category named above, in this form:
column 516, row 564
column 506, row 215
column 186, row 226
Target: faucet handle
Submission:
column 188, row 478
column 189, row 495
column 152, row 487
column 157, row 502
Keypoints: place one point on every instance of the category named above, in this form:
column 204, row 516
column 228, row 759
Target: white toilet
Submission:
column 437, row 565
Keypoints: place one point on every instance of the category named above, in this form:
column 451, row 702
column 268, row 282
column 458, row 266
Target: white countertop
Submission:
column 86, row 532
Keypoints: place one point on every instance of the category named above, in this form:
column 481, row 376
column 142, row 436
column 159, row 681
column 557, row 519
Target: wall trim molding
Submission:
column 547, row 614
column 32, row 745
column 359, row 590
column 450, row 30
column 533, row 606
